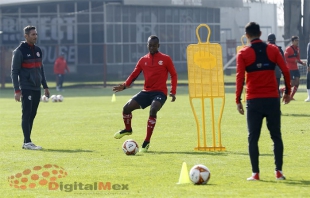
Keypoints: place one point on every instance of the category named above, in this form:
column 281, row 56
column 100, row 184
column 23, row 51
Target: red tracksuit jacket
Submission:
column 260, row 84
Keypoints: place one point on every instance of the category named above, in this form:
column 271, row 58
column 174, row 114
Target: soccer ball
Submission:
column 44, row 98
column 199, row 174
column 54, row 98
column 130, row 147
column 60, row 98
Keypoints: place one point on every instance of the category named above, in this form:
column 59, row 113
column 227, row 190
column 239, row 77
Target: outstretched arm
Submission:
column 119, row 87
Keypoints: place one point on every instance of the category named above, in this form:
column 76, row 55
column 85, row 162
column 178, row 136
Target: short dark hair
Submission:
column 252, row 29
column 294, row 38
column 28, row 28
column 153, row 37
column 271, row 38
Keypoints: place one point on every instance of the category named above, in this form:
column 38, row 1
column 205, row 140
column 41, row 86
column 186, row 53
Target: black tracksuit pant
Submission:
column 30, row 103
column 257, row 109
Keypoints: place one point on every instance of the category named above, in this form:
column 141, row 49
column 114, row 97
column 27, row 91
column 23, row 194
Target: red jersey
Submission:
column 155, row 69
column 292, row 57
column 60, row 66
column 260, row 83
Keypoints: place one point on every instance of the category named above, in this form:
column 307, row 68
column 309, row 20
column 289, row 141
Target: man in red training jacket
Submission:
column 60, row 67
column 155, row 67
column 257, row 62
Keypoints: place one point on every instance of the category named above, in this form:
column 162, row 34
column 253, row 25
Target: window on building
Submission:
column 97, row 18
column 29, row 9
column 65, row 7
column 48, row 8
column 83, row 33
column 83, row 54
column 97, row 33
column 97, row 54
column 82, row 6
column 110, row 53
column 97, row 6
column 83, row 18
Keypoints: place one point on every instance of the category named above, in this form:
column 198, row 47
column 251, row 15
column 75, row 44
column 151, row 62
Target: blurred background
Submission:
column 103, row 39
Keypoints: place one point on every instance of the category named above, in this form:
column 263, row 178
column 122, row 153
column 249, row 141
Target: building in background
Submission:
column 102, row 40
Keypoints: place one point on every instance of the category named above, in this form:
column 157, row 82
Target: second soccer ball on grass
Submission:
column 199, row 174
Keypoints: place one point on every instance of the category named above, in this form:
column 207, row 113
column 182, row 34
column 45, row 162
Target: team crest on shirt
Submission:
column 29, row 97
column 38, row 54
column 259, row 65
column 145, row 63
column 160, row 62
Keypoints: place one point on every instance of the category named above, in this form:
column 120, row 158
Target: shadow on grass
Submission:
column 240, row 153
column 290, row 182
column 67, row 151
column 296, row 115
column 298, row 182
column 190, row 153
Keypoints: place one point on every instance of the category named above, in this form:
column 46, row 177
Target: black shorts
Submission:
column 145, row 99
column 294, row 74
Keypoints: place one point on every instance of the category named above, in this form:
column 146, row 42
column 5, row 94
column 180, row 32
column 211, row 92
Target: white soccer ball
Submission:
column 54, row 98
column 44, row 98
column 199, row 174
column 60, row 98
column 130, row 147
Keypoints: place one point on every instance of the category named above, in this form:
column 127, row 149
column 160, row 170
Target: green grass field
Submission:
column 77, row 135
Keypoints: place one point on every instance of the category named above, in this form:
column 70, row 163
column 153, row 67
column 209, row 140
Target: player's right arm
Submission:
column 131, row 78
column 240, row 77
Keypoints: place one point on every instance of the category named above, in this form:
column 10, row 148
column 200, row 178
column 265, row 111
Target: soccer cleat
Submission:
column 31, row 146
column 279, row 175
column 145, row 147
column 254, row 177
column 307, row 100
column 121, row 133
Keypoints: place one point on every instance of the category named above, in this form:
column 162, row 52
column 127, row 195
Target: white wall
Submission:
column 266, row 16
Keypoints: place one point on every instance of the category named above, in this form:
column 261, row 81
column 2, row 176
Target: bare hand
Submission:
column 173, row 97
column 286, row 99
column 17, row 96
column 304, row 63
column 47, row 93
column 119, row 87
column 240, row 108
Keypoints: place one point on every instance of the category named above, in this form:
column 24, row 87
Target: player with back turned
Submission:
column 257, row 62
column 155, row 67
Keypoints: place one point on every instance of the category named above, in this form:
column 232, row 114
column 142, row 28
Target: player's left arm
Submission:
column 173, row 77
column 279, row 60
column 298, row 59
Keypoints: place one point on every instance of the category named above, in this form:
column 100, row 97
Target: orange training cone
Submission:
column 184, row 176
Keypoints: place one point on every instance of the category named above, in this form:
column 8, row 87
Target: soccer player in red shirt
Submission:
column 257, row 62
column 155, row 67
column 60, row 67
column 292, row 58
